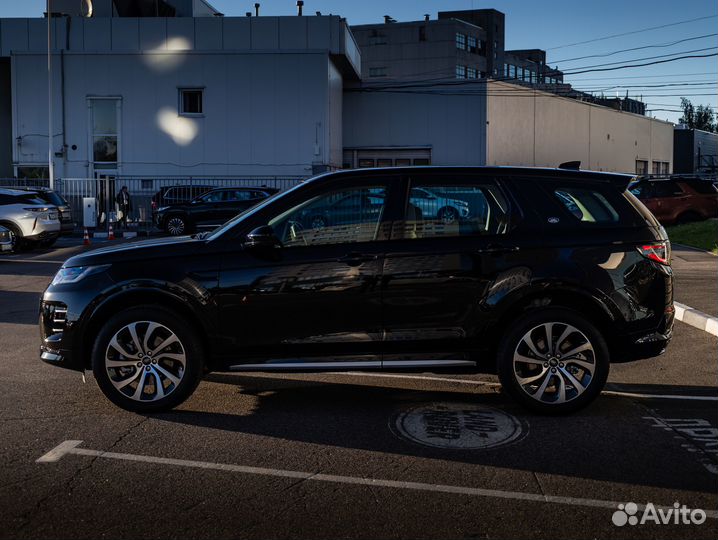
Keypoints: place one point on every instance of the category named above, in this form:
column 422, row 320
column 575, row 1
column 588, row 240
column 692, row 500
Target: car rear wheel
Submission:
column 176, row 225
column 147, row 359
column 16, row 240
column 553, row 361
column 688, row 217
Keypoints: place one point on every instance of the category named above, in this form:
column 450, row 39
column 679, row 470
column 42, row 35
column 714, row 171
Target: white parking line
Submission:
column 71, row 447
column 494, row 385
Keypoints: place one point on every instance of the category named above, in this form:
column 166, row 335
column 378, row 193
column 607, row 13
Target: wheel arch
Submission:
column 138, row 297
column 581, row 301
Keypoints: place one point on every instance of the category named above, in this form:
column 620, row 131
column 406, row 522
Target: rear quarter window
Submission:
column 587, row 205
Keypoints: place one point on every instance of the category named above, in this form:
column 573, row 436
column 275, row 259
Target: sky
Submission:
column 555, row 26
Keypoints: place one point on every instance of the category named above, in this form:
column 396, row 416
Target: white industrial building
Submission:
column 197, row 94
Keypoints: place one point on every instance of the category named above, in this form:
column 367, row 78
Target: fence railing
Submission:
column 99, row 195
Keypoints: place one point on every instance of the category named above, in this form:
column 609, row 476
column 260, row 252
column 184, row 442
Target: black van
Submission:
column 545, row 276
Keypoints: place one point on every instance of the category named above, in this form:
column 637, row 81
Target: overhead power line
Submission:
column 656, row 46
column 603, row 38
column 641, row 65
column 647, row 58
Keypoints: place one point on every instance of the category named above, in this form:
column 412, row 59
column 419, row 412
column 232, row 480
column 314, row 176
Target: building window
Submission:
column 471, row 73
column 660, row 167
column 460, row 72
column 473, row 44
column 364, row 163
column 422, row 33
column 377, row 71
column 506, row 71
column 105, row 131
column 383, row 162
column 532, row 76
column 377, row 38
column 512, row 72
column 190, row 101
column 641, row 166
column 461, row 41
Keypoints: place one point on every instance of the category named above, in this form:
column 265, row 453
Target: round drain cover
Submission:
column 458, row 425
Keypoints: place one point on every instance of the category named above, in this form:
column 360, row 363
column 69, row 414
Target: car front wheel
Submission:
column 176, row 226
column 147, row 359
column 553, row 361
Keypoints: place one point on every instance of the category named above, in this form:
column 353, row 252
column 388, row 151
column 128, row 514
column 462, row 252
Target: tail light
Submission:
column 659, row 252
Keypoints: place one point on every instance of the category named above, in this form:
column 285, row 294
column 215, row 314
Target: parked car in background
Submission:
column 212, row 208
column 50, row 196
column 439, row 205
column 29, row 218
column 564, row 273
column 678, row 200
column 5, row 239
column 171, row 195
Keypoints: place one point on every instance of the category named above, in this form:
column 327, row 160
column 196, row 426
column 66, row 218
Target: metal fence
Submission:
column 99, row 195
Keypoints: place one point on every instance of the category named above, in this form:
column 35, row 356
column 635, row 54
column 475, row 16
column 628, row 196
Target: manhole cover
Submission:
column 458, row 425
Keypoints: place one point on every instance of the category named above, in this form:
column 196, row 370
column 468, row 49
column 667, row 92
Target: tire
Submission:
column 152, row 325
column 176, row 225
column 688, row 217
column 448, row 215
column 18, row 242
column 553, row 372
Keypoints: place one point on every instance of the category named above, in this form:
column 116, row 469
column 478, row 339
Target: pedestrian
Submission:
column 124, row 205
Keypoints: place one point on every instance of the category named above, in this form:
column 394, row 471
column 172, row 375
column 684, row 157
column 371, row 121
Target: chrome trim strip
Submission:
column 427, row 363
column 306, row 365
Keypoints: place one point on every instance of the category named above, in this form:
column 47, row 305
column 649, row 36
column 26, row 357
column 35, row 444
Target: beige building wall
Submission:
column 532, row 128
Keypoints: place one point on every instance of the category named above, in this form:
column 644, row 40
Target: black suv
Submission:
column 552, row 275
column 212, row 208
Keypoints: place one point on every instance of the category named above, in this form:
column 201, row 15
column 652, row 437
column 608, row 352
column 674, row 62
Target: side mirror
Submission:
column 262, row 238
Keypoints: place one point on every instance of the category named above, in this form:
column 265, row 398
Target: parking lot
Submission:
column 365, row 455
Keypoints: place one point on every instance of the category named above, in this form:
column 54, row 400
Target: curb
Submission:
column 697, row 319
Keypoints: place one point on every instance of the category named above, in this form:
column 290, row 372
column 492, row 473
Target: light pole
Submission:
column 50, row 153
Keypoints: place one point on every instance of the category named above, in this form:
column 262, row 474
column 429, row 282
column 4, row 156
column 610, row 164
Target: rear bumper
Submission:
column 645, row 344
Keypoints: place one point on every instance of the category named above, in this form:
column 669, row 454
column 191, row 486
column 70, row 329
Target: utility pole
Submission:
column 50, row 152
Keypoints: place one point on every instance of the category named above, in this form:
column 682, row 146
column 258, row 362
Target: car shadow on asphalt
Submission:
column 610, row 440
column 15, row 307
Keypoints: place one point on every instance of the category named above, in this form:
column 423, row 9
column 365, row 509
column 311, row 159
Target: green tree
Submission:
column 700, row 117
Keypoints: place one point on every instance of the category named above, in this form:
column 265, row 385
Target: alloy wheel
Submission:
column 175, row 226
column 554, row 362
column 145, row 361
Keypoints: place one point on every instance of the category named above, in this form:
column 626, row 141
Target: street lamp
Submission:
column 50, row 152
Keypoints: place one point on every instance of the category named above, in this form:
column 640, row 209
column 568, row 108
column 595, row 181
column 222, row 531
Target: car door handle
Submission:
column 498, row 248
column 355, row 259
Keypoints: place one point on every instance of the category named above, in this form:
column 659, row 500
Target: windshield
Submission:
column 52, row 198
column 239, row 217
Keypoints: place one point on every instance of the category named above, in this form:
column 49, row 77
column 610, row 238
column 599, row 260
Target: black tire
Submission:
column 512, row 341
column 188, row 341
column 177, row 225
column 688, row 217
column 448, row 215
column 18, row 242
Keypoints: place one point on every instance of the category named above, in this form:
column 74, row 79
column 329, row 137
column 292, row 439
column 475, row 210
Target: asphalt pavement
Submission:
column 364, row 455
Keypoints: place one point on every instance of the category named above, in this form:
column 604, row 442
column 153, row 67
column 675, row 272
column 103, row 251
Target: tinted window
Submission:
column 448, row 209
column 238, row 195
column 214, row 196
column 587, row 205
column 642, row 190
column 704, row 187
column 345, row 216
column 52, row 198
column 666, row 189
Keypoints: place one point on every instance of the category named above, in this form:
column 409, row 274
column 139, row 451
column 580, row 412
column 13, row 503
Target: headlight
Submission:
column 76, row 273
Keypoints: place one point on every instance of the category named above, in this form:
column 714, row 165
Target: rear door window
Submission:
column 453, row 207
column 665, row 189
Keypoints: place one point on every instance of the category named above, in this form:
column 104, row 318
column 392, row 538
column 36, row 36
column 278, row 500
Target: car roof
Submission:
column 537, row 173
column 14, row 192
